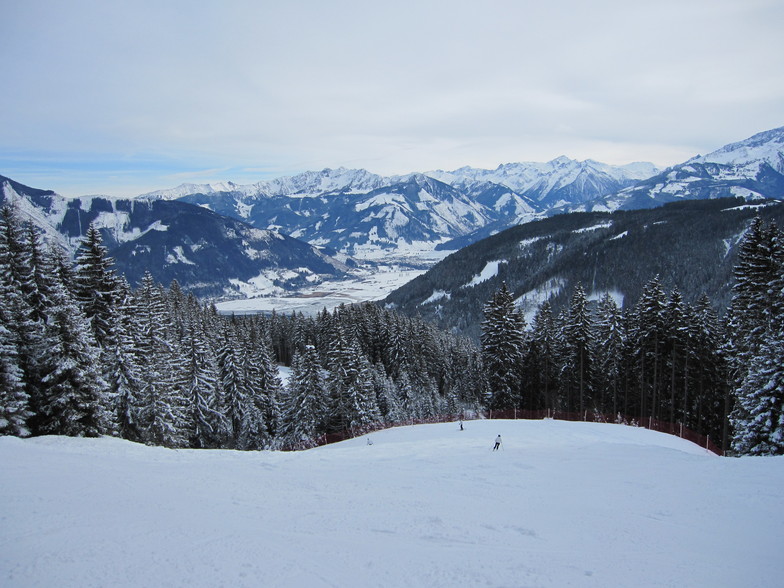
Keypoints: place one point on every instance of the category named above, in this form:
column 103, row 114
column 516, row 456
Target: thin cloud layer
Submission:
column 124, row 97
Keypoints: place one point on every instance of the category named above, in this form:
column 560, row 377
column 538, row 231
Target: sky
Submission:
column 125, row 97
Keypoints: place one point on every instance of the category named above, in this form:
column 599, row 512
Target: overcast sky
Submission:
column 122, row 97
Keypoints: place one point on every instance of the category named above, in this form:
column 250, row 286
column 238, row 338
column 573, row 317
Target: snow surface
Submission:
column 561, row 504
column 362, row 285
column 489, row 271
column 530, row 302
column 596, row 227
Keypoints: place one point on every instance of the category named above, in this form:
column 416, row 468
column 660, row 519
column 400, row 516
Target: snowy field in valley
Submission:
column 363, row 285
column 561, row 504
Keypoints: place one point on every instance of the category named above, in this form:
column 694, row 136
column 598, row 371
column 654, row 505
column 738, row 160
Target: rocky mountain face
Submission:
column 555, row 183
column 207, row 253
column 411, row 210
column 362, row 214
column 752, row 169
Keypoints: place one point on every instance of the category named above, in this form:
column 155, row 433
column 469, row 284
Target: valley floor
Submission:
column 365, row 284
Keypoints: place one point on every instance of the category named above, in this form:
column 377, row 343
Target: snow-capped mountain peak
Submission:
column 304, row 184
column 766, row 147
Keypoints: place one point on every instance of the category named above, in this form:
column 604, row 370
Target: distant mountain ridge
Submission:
column 205, row 252
column 752, row 169
column 364, row 214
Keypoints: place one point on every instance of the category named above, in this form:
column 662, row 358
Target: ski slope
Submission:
column 561, row 504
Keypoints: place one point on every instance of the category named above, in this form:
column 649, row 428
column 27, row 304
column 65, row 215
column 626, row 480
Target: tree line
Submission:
column 84, row 354
column 660, row 359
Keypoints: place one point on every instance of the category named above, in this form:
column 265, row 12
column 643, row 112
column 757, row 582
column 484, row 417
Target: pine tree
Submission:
column 388, row 398
column 96, row 284
column 350, row 384
column 757, row 337
column 74, row 395
column 14, row 402
column 577, row 371
column 161, row 408
column 123, row 371
column 502, row 349
column 24, row 322
column 263, row 381
column 305, row 412
column 246, row 418
column 677, row 350
column 649, row 340
column 610, row 340
column 761, row 402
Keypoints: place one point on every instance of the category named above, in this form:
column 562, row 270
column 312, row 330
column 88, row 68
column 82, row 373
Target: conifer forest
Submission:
column 82, row 353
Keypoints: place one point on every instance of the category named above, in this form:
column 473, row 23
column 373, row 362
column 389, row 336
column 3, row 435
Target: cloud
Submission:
column 288, row 86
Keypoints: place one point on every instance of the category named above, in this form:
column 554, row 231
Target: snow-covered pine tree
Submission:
column 43, row 274
column 263, row 380
column 610, row 336
column 207, row 426
column 96, row 284
column 502, row 350
column 350, row 384
column 74, row 395
column 25, row 324
column 122, row 370
column 306, row 404
column 577, row 370
column 649, row 339
column 390, row 405
column 677, row 350
column 469, row 376
column 160, row 417
column 395, row 354
column 757, row 336
column 246, row 420
column 760, row 400
column 705, row 393
column 14, row 402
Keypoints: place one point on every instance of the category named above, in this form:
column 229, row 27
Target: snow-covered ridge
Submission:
column 767, row 147
column 545, row 177
column 309, row 183
column 517, row 176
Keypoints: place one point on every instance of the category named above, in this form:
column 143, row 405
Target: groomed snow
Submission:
column 561, row 504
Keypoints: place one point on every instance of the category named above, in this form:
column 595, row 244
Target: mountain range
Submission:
column 209, row 254
column 690, row 245
column 752, row 169
column 367, row 215
column 274, row 236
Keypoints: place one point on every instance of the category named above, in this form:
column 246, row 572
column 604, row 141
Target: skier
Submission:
column 497, row 443
column 461, row 425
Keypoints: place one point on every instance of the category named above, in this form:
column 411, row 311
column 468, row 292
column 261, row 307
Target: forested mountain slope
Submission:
column 691, row 245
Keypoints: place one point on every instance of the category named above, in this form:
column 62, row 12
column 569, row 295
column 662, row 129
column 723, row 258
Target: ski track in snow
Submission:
column 561, row 504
